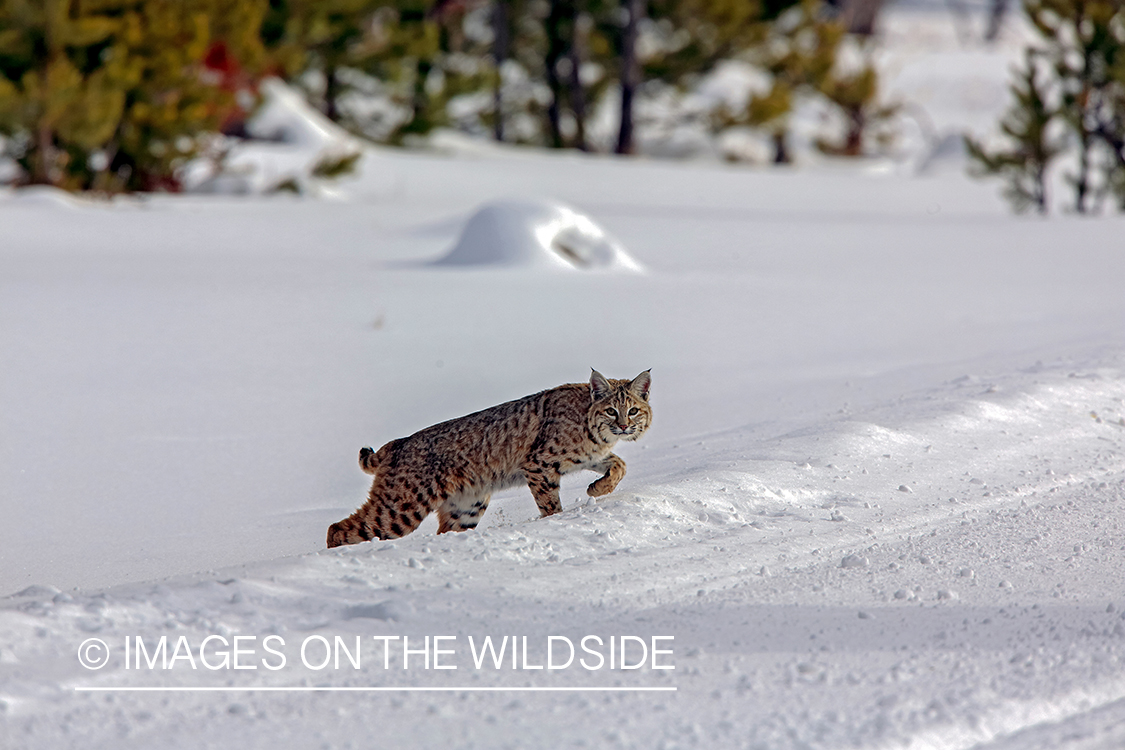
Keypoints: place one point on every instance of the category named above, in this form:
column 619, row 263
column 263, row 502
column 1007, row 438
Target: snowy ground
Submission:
column 880, row 505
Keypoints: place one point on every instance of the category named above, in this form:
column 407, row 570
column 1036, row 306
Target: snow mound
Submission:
column 537, row 234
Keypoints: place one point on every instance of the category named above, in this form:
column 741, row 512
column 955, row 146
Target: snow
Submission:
column 543, row 234
column 290, row 140
column 186, row 382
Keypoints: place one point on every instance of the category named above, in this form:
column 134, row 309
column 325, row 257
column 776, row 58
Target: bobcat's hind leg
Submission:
column 383, row 516
column 352, row 530
column 461, row 512
column 614, row 470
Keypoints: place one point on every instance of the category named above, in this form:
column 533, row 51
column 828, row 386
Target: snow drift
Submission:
column 537, row 234
column 291, row 143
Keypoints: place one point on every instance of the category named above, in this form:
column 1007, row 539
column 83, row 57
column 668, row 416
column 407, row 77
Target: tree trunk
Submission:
column 44, row 156
column 1082, row 179
column 859, row 16
column 996, row 19
column 781, row 148
column 499, row 55
column 577, row 92
column 1039, row 192
column 1113, row 135
column 419, row 121
column 331, row 93
column 555, row 51
column 630, row 76
column 853, row 144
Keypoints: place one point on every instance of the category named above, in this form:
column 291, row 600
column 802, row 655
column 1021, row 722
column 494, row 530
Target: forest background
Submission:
column 119, row 95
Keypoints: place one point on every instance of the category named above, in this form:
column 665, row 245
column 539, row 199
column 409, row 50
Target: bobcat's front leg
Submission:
column 614, row 469
column 543, row 480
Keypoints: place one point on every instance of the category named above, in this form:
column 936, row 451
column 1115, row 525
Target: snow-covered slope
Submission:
column 880, row 505
column 939, row 572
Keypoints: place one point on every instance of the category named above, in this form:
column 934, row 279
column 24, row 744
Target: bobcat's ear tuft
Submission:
column 640, row 385
column 599, row 386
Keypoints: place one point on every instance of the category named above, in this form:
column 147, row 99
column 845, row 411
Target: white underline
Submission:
column 378, row 689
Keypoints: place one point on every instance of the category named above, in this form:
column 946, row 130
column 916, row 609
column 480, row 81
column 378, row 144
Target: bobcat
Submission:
column 454, row 467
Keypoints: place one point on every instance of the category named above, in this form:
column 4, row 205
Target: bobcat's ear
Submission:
column 599, row 386
column 640, row 384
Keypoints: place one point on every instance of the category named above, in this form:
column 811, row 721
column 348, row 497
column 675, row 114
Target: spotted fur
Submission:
column 454, row 467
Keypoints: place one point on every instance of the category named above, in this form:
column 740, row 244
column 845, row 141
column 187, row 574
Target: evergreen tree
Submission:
column 179, row 102
column 60, row 98
column 1083, row 48
column 416, row 53
column 114, row 94
column 800, row 51
column 520, row 111
column 1025, row 163
column 856, row 97
column 1082, row 56
column 796, row 42
column 683, row 40
column 325, row 35
column 560, row 42
column 702, row 33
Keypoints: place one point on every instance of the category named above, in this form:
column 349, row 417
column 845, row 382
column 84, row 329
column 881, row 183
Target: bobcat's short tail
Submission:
column 368, row 460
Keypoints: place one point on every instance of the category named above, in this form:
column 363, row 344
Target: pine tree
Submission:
column 523, row 110
column 1111, row 130
column 1085, row 27
column 1081, row 57
column 685, row 39
column 796, row 42
column 856, row 97
column 415, row 53
column 325, row 35
column 798, row 50
column 558, row 44
column 1024, row 164
column 706, row 32
column 179, row 103
column 113, row 94
column 57, row 105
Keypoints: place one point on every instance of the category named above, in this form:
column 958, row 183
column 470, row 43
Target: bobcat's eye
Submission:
column 611, row 412
column 633, row 411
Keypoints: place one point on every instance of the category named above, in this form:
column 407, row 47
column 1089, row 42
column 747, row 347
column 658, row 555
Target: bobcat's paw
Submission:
column 350, row 531
column 603, row 486
column 337, row 535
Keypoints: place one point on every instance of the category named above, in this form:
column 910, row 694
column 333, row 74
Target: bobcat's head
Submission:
column 619, row 409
